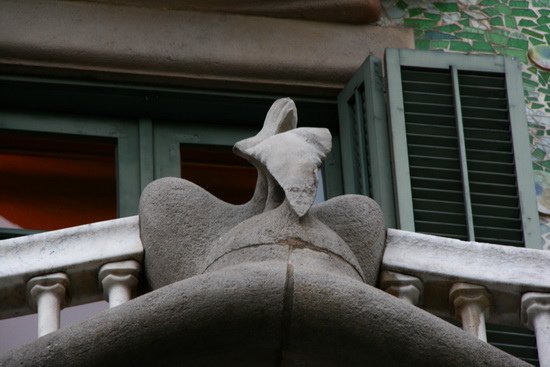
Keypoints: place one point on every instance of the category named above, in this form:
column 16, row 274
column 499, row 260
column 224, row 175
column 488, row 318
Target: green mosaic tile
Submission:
column 536, row 167
column 446, row 7
column 464, row 22
column 450, row 28
column 482, row 47
column 473, row 30
column 488, row 2
column 402, row 5
column 460, row 46
column 518, row 35
column 517, row 43
column 433, row 16
column 539, row 133
column 535, row 41
column 527, row 87
column 533, row 34
column 439, row 45
column 491, row 12
column 543, row 20
column 527, row 23
column 519, row 12
column 544, row 12
column 470, row 35
column 519, row 4
column 544, row 90
column 422, row 44
column 530, row 82
column 496, row 21
column 520, row 54
column 540, row 3
column 496, row 38
column 536, row 106
column 503, row 9
column 416, row 11
column 542, row 29
column 547, row 38
column 420, row 23
column 432, row 35
column 510, row 21
column 547, row 132
column 544, row 77
column 539, row 154
column 545, row 164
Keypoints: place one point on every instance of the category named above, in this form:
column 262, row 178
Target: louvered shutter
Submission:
column 366, row 162
column 460, row 145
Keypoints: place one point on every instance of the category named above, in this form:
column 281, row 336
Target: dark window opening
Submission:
column 219, row 171
column 51, row 181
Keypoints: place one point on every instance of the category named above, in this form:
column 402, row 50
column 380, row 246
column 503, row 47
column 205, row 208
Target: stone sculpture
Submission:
column 184, row 226
column 273, row 282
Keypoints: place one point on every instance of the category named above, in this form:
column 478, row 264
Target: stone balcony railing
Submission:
column 477, row 282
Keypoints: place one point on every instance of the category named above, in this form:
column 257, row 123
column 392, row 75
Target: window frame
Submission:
column 138, row 116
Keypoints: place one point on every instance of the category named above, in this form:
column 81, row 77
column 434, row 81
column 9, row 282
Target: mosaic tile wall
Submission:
column 507, row 27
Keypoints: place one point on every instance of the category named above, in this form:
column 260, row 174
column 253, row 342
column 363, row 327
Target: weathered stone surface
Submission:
column 205, row 50
column 346, row 11
column 178, row 220
column 271, row 313
column 293, row 158
column 358, row 220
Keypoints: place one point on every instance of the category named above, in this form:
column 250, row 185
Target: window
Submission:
column 457, row 135
column 53, row 181
column 141, row 133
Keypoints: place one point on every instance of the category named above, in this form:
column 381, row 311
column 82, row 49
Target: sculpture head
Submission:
column 289, row 157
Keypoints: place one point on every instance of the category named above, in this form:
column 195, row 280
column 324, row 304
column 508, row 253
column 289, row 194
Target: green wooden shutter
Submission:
column 461, row 151
column 366, row 163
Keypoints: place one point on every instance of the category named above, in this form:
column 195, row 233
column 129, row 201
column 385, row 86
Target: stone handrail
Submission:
column 506, row 272
column 477, row 282
column 75, row 255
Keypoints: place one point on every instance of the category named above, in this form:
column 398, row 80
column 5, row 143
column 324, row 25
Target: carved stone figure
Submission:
column 274, row 282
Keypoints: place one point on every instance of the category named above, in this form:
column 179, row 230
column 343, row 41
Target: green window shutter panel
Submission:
column 366, row 163
column 518, row 342
column 460, row 145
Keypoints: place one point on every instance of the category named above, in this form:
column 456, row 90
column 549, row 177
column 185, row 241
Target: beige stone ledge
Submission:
column 344, row 11
column 192, row 49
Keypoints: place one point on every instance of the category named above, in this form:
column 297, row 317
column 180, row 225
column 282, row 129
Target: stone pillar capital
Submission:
column 119, row 281
column 462, row 294
column 56, row 284
column 471, row 305
column 533, row 304
column 402, row 286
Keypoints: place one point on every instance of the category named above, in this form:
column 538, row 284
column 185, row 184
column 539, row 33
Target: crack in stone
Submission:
column 292, row 243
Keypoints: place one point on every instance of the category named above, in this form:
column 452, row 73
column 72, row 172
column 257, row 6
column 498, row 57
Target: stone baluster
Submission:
column 119, row 281
column 471, row 303
column 47, row 294
column 535, row 314
column 405, row 287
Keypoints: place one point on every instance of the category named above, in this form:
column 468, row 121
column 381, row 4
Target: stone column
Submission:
column 119, row 281
column 405, row 287
column 471, row 303
column 47, row 295
column 535, row 314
